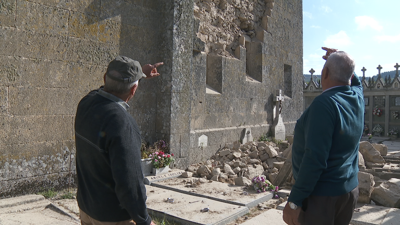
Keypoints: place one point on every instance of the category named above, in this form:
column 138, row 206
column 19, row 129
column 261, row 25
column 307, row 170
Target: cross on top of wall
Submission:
column 397, row 69
column 312, row 71
column 363, row 70
column 379, row 70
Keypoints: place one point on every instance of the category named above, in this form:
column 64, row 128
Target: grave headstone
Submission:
column 279, row 129
column 247, row 136
column 203, row 140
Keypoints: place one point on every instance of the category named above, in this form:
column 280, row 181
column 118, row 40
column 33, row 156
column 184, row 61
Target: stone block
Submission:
column 271, row 151
column 278, row 165
column 42, row 18
column 369, row 214
column 361, row 162
column 91, row 52
column 383, row 149
column 370, row 153
column 242, row 181
column 45, row 73
column 179, row 144
column 388, row 193
column 203, row 171
column 254, row 155
column 254, row 171
column 36, row 101
column 7, row 13
column 39, row 129
column 366, row 185
column 9, row 40
column 228, row 170
column 83, row 26
column 33, row 159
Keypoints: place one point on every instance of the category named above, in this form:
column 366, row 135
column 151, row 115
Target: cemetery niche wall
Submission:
column 223, row 63
column 381, row 98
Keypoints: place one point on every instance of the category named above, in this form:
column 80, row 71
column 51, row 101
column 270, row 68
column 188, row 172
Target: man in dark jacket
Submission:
column 325, row 148
column 110, row 179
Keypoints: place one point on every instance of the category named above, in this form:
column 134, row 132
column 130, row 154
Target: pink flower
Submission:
column 168, row 156
column 155, row 160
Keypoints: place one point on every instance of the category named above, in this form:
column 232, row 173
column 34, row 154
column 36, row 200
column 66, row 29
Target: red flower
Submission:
column 168, row 156
column 161, row 153
column 172, row 154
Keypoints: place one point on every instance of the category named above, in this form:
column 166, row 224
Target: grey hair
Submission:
column 117, row 86
column 341, row 66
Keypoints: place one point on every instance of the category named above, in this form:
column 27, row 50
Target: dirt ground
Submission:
column 215, row 189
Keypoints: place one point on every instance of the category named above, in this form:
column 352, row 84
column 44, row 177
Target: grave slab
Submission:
column 218, row 191
column 273, row 216
column 392, row 218
column 172, row 174
column 369, row 215
column 186, row 209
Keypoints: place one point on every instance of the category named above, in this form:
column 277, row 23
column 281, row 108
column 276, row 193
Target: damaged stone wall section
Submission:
column 220, row 24
column 24, row 176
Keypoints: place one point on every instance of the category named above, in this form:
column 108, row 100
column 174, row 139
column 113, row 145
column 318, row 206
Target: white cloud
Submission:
column 338, row 40
column 326, row 9
column 315, row 27
column 366, row 21
column 388, row 38
column 307, row 14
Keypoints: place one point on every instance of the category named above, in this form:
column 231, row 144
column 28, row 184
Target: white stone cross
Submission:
column 279, row 98
column 279, row 129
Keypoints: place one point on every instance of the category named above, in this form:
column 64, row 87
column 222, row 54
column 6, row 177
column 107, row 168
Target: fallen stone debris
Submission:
column 238, row 164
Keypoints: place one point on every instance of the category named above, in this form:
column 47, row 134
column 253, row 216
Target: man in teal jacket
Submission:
column 325, row 148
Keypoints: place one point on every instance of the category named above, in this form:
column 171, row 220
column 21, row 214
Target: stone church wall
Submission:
column 234, row 80
column 52, row 52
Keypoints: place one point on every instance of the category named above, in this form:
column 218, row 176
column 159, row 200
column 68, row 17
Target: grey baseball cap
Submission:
column 129, row 69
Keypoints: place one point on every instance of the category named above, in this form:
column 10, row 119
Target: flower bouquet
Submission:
column 261, row 184
column 161, row 159
column 377, row 111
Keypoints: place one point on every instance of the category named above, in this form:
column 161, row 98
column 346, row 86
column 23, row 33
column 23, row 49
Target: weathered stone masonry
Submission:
column 52, row 52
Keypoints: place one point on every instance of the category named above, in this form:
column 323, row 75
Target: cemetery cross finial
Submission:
column 397, row 69
column 379, row 71
column 312, row 71
column 363, row 70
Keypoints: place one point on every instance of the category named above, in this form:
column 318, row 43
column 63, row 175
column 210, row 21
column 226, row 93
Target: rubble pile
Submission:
column 239, row 163
column 372, row 178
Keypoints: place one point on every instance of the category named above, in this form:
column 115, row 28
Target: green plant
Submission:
column 147, row 150
column 48, row 193
column 68, row 195
column 264, row 137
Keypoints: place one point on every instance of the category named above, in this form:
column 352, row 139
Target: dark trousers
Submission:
column 329, row 210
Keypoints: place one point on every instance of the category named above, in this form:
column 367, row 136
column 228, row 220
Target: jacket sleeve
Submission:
column 124, row 152
column 318, row 131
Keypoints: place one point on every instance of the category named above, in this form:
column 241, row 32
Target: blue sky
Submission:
column 369, row 30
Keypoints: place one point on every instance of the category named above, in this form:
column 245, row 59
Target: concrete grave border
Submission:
column 248, row 205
